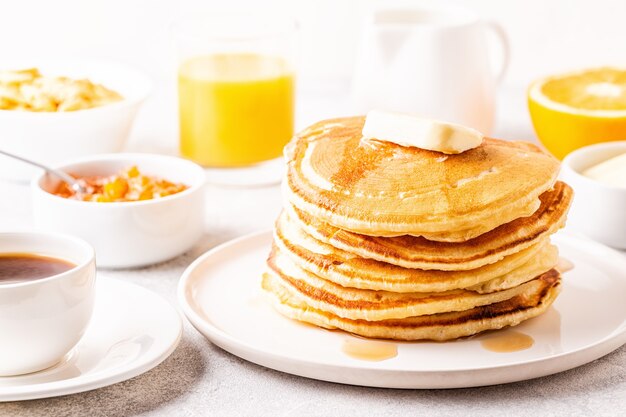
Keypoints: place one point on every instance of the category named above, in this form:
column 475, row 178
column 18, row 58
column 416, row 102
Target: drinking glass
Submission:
column 236, row 93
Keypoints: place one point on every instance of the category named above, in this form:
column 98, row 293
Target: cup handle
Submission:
column 505, row 46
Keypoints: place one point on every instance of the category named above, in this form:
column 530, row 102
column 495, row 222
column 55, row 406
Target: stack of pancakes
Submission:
column 387, row 241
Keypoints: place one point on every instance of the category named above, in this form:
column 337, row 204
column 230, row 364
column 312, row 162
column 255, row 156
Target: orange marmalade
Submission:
column 128, row 185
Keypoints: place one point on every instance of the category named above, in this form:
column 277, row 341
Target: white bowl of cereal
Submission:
column 69, row 109
column 141, row 209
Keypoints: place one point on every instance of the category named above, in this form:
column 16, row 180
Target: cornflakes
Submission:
column 29, row 90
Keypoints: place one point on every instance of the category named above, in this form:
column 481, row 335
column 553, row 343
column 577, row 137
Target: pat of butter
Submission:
column 433, row 135
column 610, row 172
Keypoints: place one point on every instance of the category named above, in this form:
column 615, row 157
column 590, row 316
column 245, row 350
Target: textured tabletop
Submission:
column 201, row 379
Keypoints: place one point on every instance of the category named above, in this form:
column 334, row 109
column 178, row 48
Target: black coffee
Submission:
column 20, row 267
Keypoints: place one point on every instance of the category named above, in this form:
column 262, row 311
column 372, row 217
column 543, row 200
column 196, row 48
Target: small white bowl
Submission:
column 53, row 137
column 43, row 319
column 127, row 234
column 598, row 210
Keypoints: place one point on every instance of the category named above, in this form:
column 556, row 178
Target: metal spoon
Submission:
column 74, row 184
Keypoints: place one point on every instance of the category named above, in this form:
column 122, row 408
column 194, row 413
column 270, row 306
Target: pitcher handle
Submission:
column 506, row 49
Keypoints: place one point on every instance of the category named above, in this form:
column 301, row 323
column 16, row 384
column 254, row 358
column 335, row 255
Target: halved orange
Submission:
column 580, row 108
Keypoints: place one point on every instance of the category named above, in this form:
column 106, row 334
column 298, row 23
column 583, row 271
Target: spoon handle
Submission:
column 62, row 175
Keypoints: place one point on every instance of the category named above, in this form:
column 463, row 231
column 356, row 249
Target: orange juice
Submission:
column 235, row 109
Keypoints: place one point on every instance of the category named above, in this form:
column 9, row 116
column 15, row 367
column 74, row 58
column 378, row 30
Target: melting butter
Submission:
column 412, row 131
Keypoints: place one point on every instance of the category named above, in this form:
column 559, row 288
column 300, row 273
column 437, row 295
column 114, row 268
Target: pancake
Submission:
column 349, row 270
column 354, row 304
column 418, row 252
column 440, row 327
column 382, row 189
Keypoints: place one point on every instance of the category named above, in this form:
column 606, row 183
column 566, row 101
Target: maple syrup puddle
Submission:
column 366, row 350
column 508, row 341
column 564, row 265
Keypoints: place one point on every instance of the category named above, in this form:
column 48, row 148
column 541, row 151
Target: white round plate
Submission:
column 132, row 331
column 220, row 295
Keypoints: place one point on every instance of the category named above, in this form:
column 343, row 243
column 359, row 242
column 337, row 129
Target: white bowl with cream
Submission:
column 127, row 234
column 41, row 320
column 599, row 207
column 53, row 137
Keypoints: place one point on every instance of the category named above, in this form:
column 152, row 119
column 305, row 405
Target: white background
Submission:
column 546, row 35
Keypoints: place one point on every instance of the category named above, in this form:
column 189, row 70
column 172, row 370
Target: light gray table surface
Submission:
column 200, row 379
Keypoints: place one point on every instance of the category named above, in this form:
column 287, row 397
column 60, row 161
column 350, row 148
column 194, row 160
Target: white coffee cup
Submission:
column 41, row 320
column 433, row 61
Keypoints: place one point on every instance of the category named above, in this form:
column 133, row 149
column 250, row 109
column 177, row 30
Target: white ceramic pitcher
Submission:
column 433, row 61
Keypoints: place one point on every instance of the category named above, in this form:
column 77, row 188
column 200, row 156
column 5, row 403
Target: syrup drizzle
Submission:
column 369, row 350
column 564, row 265
column 507, row 341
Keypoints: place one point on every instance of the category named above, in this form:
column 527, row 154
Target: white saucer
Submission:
column 132, row 331
column 220, row 295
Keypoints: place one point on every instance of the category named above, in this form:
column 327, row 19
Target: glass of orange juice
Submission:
column 236, row 93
